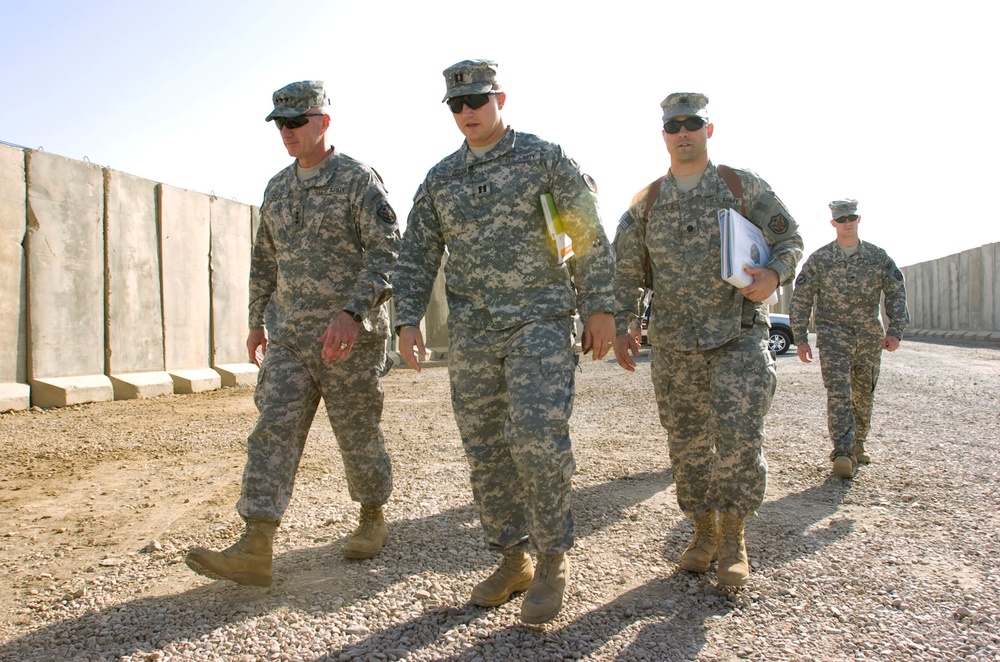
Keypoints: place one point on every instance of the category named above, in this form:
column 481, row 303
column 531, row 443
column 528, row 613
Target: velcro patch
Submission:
column 778, row 224
column 800, row 280
column 386, row 213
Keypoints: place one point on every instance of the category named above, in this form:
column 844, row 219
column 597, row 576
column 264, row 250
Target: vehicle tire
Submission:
column 779, row 341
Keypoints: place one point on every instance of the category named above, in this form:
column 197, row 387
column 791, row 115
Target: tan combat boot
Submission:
column 860, row 454
column 733, row 567
column 844, row 465
column 545, row 595
column 370, row 535
column 703, row 549
column 246, row 562
column 513, row 576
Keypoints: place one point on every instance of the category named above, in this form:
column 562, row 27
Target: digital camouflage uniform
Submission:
column 511, row 361
column 713, row 374
column 847, row 292
column 324, row 245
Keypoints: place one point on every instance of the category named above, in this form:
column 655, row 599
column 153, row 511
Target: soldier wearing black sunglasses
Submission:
column 319, row 279
column 712, row 371
column 844, row 282
column 511, row 301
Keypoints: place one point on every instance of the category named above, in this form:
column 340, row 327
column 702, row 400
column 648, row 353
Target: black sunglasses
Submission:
column 850, row 218
column 473, row 101
column 690, row 124
column 294, row 122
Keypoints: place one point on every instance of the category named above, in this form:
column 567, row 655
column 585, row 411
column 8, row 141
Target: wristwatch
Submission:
column 357, row 318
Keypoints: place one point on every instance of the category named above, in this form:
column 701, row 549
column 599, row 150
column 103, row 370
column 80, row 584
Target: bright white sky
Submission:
column 888, row 102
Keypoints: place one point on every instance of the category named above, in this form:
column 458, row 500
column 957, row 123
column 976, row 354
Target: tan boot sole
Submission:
column 843, row 467
column 496, row 602
column 691, row 565
column 732, row 578
column 536, row 619
column 205, row 569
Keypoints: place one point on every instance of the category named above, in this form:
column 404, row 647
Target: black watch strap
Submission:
column 357, row 318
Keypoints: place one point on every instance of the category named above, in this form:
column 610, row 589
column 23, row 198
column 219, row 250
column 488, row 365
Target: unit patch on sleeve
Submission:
column 778, row 224
column 386, row 213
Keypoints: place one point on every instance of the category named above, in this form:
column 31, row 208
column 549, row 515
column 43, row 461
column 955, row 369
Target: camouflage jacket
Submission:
column 502, row 268
column 693, row 308
column 847, row 292
column 323, row 245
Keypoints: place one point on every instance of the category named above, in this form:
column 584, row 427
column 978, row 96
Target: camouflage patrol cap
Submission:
column 470, row 77
column 296, row 99
column 684, row 103
column 843, row 207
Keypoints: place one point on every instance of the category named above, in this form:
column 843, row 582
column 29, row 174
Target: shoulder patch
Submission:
column 800, row 280
column 589, row 181
column 386, row 213
column 625, row 222
column 778, row 224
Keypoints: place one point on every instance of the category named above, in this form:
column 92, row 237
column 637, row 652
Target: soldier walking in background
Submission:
column 511, row 303
column 844, row 281
column 319, row 277
column 712, row 371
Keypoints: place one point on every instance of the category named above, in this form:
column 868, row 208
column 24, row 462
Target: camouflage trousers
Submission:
column 850, row 365
column 512, row 394
column 289, row 387
column 712, row 404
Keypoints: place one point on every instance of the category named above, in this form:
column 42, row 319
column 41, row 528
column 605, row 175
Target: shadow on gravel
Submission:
column 310, row 579
column 666, row 620
column 794, row 525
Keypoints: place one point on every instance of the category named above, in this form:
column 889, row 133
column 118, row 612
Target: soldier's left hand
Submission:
column 339, row 337
column 598, row 334
column 765, row 282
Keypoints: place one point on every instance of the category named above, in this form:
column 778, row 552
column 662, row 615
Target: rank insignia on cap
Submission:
column 778, row 224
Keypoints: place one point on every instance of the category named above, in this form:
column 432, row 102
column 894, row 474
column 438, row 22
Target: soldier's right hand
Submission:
column 410, row 336
column 805, row 352
column 625, row 349
column 257, row 338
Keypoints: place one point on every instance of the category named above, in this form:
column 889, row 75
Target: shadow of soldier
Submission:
column 798, row 524
column 315, row 579
column 660, row 619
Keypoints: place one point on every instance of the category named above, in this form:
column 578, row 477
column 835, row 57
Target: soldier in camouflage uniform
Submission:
column 319, row 277
column 713, row 374
column 511, row 360
column 845, row 281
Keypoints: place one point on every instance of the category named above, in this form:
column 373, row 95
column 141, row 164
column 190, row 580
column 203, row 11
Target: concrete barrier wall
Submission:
column 64, row 249
column 14, row 391
column 134, row 317
column 956, row 296
column 231, row 247
column 113, row 286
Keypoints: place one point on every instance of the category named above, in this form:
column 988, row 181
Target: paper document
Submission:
column 564, row 243
column 743, row 246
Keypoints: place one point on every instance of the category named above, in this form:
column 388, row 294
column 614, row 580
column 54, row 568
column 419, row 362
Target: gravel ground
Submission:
column 101, row 501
